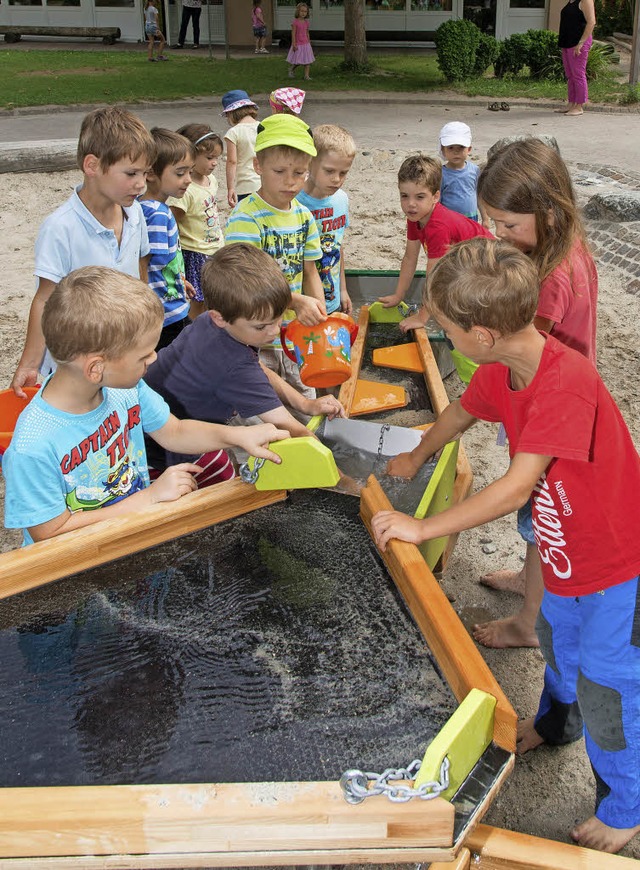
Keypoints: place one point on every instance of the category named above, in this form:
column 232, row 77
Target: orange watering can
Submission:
column 323, row 352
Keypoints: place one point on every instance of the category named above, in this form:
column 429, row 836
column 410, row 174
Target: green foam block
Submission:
column 306, row 464
column 463, row 739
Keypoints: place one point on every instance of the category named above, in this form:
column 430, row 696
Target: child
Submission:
column 459, row 175
column 211, row 371
column 571, row 449
column 242, row 116
column 79, row 444
column 259, row 28
column 273, row 219
column 329, row 204
column 152, row 30
column 196, row 212
column 526, row 189
column 100, row 224
column 288, row 101
column 170, row 175
column 429, row 225
column 300, row 53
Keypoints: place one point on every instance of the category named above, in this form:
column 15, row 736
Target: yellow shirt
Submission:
column 199, row 226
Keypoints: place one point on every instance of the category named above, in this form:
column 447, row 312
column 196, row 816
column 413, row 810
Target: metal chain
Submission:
column 384, row 428
column 412, row 308
column 358, row 785
column 250, row 475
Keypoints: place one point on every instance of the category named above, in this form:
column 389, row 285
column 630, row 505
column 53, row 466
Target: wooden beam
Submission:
column 219, row 819
column 495, row 849
column 461, row 862
column 79, row 550
column 456, row 653
column 348, row 389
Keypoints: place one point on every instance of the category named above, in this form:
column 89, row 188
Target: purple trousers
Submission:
column 575, row 69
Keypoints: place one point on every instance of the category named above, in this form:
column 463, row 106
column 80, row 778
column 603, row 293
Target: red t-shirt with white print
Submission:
column 586, row 519
column 568, row 297
column 443, row 229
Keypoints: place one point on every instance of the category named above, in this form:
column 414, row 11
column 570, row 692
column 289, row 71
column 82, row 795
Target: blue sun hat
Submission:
column 233, row 100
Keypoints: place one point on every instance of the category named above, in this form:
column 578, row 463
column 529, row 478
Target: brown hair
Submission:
column 238, row 114
column 529, row 177
column 112, row 134
column 98, row 310
column 193, row 132
column 330, row 137
column 241, row 280
column 422, row 170
column 485, row 282
column 171, row 149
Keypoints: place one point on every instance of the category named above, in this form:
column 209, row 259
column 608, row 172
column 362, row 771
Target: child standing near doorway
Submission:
column 300, row 53
column 152, row 30
column 259, row 27
column 196, row 212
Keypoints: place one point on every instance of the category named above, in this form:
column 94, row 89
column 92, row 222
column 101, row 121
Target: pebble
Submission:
column 489, row 548
column 485, row 540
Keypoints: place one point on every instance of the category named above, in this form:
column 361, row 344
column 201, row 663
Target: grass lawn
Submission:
column 36, row 78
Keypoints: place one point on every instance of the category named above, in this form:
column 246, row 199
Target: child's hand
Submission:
column 403, row 465
column 24, row 378
column 392, row 524
column 390, row 301
column 416, row 321
column 327, row 405
column 191, row 290
column 346, row 306
column 232, row 198
column 176, row 481
column 309, row 310
column 256, row 439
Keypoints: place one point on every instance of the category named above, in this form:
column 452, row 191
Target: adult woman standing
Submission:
column 577, row 20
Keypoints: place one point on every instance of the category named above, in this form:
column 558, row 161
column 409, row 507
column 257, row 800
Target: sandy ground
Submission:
column 551, row 789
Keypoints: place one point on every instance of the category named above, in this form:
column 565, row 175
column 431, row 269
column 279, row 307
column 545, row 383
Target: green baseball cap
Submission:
column 285, row 130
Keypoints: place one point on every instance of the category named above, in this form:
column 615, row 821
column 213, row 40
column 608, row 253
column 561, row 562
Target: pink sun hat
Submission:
column 287, row 98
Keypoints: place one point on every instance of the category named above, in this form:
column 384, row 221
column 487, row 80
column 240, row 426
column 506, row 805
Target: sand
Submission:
column 551, row 789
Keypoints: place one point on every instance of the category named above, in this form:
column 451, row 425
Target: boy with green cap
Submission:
column 272, row 219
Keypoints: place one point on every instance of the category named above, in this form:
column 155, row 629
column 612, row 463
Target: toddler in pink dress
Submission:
column 300, row 53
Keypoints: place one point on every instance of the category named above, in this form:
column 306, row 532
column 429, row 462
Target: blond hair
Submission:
column 330, row 137
column 423, row 171
column 529, row 177
column 98, row 310
column 112, row 134
column 485, row 282
column 299, row 7
column 241, row 280
column 171, row 149
column 202, row 137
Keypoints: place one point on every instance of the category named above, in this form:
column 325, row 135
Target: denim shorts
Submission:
column 259, row 31
column 525, row 523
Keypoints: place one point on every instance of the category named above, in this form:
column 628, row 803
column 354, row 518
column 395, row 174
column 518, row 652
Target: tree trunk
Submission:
column 355, row 39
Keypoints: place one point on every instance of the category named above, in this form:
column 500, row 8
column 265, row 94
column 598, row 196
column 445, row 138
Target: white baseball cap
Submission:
column 455, row 133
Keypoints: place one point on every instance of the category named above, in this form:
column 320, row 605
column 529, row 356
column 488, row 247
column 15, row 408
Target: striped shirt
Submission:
column 166, row 265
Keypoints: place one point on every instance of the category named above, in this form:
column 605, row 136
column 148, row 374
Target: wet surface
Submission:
column 271, row 647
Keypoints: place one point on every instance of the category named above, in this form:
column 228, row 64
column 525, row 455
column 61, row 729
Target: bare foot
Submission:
column 527, row 737
column 509, row 581
column 561, row 111
column 574, row 112
column 594, row 834
column 505, row 633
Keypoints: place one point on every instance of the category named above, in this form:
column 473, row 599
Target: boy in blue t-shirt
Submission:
column 170, row 175
column 329, row 204
column 79, row 444
column 458, row 190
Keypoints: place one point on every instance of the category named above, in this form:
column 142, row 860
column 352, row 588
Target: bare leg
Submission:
column 161, row 45
column 520, row 629
column 257, row 44
column 509, row 581
column 151, row 41
column 527, row 737
column 594, row 834
column 292, row 69
column 306, row 71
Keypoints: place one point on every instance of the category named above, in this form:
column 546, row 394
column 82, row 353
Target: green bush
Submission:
column 513, row 55
column 631, row 96
column 599, row 61
column 544, row 57
column 456, row 45
column 486, row 53
column 613, row 16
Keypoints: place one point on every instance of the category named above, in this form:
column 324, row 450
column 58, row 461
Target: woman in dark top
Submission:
column 577, row 20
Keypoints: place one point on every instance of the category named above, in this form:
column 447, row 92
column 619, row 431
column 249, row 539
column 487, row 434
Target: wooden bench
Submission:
column 14, row 33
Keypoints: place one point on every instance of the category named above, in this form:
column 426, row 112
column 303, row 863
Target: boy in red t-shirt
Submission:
column 572, row 454
column 429, row 225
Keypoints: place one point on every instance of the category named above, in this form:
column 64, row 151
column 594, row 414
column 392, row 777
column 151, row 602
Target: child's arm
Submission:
column 407, row 271
column 496, row 500
column 232, row 165
column 293, row 38
column 26, row 375
column 345, row 300
column 178, row 212
column 543, row 324
column 144, row 268
column 310, row 305
column 287, row 394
